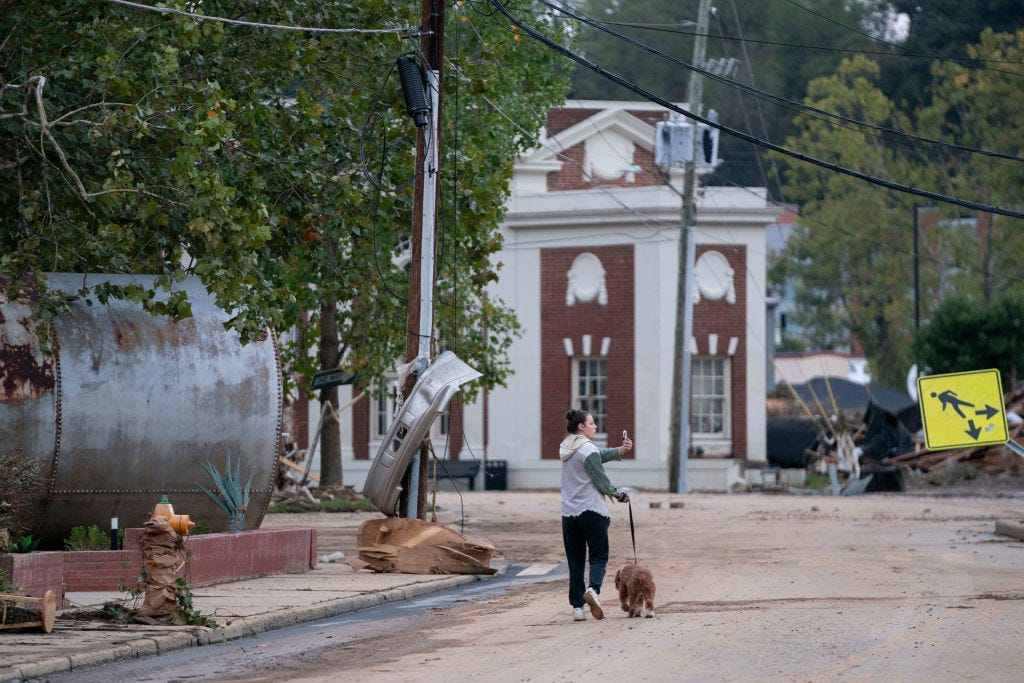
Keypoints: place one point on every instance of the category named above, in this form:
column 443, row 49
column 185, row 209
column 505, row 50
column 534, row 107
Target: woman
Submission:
column 585, row 518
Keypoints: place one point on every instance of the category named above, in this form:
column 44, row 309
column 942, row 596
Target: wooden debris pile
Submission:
column 306, row 498
column 994, row 460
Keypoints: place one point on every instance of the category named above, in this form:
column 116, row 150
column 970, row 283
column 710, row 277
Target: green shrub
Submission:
column 5, row 584
column 23, row 544
column 91, row 538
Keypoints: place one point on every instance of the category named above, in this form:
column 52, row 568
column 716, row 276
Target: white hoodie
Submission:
column 578, row 491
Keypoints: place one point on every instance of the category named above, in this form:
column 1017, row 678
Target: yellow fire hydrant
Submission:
column 180, row 523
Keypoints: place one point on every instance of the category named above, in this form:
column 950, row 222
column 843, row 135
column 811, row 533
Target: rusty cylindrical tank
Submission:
column 126, row 407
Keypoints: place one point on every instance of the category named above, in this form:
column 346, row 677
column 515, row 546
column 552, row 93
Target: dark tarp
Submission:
column 788, row 438
column 885, row 437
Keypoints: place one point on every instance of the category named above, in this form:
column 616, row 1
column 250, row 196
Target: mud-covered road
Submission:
column 750, row 587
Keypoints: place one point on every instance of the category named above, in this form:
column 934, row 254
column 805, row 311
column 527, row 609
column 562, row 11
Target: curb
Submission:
column 241, row 628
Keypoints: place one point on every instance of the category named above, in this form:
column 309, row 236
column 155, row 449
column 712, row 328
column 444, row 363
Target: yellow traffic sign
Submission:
column 962, row 409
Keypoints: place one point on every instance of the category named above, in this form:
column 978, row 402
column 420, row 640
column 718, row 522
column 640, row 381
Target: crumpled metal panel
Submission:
column 432, row 392
column 130, row 407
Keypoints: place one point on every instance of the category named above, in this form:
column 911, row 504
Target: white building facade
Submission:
column 590, row 264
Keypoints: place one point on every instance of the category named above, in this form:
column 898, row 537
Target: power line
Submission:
column 654, row 223
column 257, row 24
column 882, row 182
column 916, row 53
column 827, row 48
column 669, row 28
column 801, row 106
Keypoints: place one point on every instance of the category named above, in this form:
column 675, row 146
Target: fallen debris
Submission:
column 165, row 556
column 994, row 460
column 412, row 546
column 33, row 612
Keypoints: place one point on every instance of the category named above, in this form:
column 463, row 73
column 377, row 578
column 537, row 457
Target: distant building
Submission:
column 801, row 367
column 590, row 265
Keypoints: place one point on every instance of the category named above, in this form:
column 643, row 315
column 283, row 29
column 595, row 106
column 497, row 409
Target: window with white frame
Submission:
column 590, row 388
column 709, row 396
column 383, row 411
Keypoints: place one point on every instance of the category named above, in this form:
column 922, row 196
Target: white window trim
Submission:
column 601, row 438
column 726, row 432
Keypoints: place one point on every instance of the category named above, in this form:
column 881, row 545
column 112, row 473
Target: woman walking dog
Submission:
column 585, row 517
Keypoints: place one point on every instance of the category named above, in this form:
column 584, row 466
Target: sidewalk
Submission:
column 240, row 608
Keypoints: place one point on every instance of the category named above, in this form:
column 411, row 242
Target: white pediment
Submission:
column 607, row 134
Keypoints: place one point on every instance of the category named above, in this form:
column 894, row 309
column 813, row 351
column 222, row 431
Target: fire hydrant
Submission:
column 180, row 523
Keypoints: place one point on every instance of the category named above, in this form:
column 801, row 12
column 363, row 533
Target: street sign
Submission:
column 962, row 409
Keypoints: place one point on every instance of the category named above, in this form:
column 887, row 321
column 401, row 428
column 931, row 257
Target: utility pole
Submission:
column 420, row 327
column 680, row 440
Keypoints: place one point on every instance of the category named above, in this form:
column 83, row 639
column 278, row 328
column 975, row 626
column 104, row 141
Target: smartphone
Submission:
column 625, row 435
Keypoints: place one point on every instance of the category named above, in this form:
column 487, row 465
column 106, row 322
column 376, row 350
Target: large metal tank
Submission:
column 123, row 407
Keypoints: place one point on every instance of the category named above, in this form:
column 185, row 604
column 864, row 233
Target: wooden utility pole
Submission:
column 419, row 330
column 680, row 422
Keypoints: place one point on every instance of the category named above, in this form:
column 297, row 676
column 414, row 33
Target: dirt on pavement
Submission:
column 879, row 587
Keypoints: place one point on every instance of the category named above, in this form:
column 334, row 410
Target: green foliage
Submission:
column 944, row 29
column 815, row 481
column 964, row 334
column 252, row 159
column 852, row 256
column 187, row 614
column 5, row 584
column 23, row 544
column 771, row 58
column 87, row 538
column 276, row 166
column 231, row 495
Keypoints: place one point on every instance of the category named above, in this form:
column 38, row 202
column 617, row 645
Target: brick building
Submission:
column 590, row 265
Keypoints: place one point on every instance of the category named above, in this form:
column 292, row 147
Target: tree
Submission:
column 780, row 46
column 853, row 247
column 964, row 334
column 942, row 30
column 851, row 254
column 275, row 165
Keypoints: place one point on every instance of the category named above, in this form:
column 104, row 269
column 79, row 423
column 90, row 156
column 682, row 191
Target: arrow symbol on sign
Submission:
column 973, row 432
column 988, row 412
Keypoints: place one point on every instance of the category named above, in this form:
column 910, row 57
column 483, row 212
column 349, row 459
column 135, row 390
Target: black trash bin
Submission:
column 496, row 475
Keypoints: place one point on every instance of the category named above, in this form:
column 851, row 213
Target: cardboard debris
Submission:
column 412, row 546
column 165, row 556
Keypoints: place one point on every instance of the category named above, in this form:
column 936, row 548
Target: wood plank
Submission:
column 297, row 467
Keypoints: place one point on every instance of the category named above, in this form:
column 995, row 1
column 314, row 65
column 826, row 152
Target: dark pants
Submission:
column 588, row 532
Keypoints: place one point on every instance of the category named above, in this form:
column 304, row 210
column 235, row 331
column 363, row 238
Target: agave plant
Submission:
column 230, row 495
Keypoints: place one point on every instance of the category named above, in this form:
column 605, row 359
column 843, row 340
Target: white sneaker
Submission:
column 595, row 604
column 578, row 614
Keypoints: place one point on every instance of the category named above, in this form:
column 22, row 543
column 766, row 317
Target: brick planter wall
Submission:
column 34, row 573
column 215, row 558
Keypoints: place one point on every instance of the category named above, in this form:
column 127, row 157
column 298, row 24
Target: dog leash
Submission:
column 632, row 530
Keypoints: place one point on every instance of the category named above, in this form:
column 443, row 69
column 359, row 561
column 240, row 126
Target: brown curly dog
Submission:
column 636, row 590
